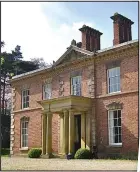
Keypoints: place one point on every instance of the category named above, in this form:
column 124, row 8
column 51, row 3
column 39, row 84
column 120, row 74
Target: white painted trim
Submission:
column 21, row 121
column 108, row 81
column 114, row 144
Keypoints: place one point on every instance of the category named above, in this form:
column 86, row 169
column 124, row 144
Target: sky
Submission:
column 46, row 29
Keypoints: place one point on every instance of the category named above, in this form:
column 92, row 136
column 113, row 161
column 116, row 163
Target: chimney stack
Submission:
column 122, row 29
column 90, row 38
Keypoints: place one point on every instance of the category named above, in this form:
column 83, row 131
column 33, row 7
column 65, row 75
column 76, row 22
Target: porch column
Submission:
column 44, row 133
column 88, row 129
column 61, row 132
column 83, row 130
column 65, row 131
column 49, row 134
column 93, row 127
column 71, row 131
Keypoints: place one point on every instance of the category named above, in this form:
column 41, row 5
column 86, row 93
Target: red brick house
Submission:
column 89, row 97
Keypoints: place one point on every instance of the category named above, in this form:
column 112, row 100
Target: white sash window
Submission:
column 114, row 80
column 24, row 133
column 25, row 98
column 76, row 85
column 47, row 91
column 114, row 127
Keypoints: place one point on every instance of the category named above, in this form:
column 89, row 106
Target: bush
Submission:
column 5, row 151
column 83, row 154
column 34, row 153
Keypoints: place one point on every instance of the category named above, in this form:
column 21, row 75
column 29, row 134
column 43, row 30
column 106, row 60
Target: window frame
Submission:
column 109, row 137
column 44, row 98
column 71, row 86
column 24, row 120
column 22, row 99
column 108, row 80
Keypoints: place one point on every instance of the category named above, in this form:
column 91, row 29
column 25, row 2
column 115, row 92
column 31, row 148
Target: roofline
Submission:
column 118, row 45
column 72, row 47
column 34, row 72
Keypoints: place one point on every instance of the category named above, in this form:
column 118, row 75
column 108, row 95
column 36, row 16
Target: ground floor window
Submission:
column 114, row 127
column 24, row 132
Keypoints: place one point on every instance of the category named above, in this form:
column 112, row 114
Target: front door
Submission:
column 77, row 122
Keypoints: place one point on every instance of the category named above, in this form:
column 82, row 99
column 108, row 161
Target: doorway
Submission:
column 77, row 127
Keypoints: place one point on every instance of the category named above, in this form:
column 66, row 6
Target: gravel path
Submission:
column 22, row 163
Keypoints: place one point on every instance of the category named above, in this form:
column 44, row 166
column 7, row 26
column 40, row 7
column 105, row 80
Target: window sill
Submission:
column 25, row 108
column 115, row 145
column 24, row 149
column 112, row 93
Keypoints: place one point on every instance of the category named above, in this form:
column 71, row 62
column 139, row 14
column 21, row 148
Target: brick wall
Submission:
column 34, row 129
column 129, row 99
column 129, row 123
column 129, row 83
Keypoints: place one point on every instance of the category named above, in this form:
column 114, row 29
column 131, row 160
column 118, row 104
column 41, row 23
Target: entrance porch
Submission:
column 75, row 123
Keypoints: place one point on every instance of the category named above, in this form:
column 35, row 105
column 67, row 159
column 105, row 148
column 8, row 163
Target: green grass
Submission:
column 128, row 156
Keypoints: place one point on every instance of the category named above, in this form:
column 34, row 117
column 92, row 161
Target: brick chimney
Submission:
column 122, row 29
column 90, row 38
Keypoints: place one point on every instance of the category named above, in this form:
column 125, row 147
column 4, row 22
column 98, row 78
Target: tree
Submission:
column 40, row 62
column 12, row 64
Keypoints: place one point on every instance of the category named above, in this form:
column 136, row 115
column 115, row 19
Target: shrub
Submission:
column 83, row 154
column 5, row 151
column 34, row 153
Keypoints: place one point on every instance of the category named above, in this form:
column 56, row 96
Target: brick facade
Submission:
column 93, row 71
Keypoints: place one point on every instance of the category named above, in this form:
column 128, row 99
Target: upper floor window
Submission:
column 25, row 98
column 114, row 126
column 24, row 132
column 76, row 85
column 114, row 80
column 47, row 91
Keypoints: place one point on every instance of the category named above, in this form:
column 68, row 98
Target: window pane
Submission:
column 116, row 138
column 27, row 98
column 119, row 113
column 120, row 139
column 24, row 93
column 27, row 105
column 117, row 79
column 110, row 89
column 118, row 71
column 24, row 99
column 118, row 87
column 116, row 130
column 110, row 73
column 115, row 122
column 119, row 129
column 115, row 114
column 119, row 121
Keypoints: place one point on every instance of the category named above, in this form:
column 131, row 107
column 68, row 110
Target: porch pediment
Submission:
column 73, row 53
column 57, row 105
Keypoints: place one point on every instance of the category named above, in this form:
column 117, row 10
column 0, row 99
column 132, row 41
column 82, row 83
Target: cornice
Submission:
column 25, row 110
column 116, row 51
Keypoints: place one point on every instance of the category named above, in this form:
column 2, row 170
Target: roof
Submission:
column 72, row 47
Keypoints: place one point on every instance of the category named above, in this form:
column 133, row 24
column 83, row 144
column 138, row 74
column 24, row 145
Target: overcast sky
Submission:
column 45, row 29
